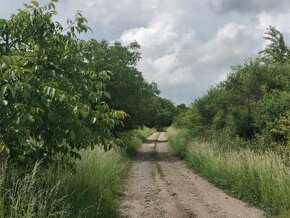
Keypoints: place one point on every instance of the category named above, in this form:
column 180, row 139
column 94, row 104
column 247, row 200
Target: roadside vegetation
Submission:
column 88, row 187
column 69, row 118
column 94, row 188
column 238, row 134
column 260, row 178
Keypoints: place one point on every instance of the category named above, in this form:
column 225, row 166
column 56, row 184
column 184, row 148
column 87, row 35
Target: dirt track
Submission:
column 160, row 185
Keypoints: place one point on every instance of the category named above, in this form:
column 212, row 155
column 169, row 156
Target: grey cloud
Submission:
column 186, row 45
column 252, row 6
column 108, row 19
column 200, row 60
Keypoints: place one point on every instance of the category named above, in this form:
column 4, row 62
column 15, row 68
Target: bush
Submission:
column 251, row 104
column 52, row 98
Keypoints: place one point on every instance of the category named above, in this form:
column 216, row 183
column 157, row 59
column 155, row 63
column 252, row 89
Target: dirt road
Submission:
column 160, row 185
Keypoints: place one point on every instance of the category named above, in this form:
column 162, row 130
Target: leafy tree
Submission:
column 129, row 91
column 277, row 50
column 161, row 112
column 181, row 108
column 52, row 97
column 252, row 103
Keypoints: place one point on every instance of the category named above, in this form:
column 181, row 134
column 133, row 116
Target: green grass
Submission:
column 260, row 179
column 132, row 140
column 179, row 141
column 91, row 188
column 31, row 194
column 95, row 186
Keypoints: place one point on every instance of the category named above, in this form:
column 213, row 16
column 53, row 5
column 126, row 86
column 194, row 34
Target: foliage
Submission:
column 91, row 188
column 161, row 112
column 252, row 103
column 52, row 97
column 129, row 91
column 132, row 140
column 277, row 50
column 60, row 95
column 281, row 133
column 182, row 120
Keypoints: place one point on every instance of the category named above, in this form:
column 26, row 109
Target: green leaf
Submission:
column 18, row 120
column 73, row 135
column 107, row 94
column 35, row 3
column 4, row 89
column 22, row 13
column 5, row 102
column 4, row 149
column 49, row 91
column 94, row 120
column 51, row 5
column 7, row 87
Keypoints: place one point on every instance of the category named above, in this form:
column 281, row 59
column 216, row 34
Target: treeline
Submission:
column 129, row 91
column 238, row 135
column 252, row 106
column 60, row 94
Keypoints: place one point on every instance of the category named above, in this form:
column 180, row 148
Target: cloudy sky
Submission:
column 186, row 45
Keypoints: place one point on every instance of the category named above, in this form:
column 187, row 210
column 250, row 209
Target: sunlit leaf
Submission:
column 35, row 3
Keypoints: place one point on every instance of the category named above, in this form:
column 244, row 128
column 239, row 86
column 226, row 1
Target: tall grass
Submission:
column 90, row 189
column 133, row 139
column 261, row 179
column 179, row 141
column 95, row 186
column 25, row 195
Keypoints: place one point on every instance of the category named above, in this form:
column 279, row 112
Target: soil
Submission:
column 160, row 185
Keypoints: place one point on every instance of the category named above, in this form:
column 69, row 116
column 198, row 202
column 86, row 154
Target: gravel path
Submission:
column 160, row 185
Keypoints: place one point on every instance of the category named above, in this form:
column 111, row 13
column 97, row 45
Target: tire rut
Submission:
column 160, row 185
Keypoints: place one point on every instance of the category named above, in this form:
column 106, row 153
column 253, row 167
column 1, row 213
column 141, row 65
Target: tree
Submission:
column 253, row 103
column 276, row 50
column 161, row 112
column 129, row 91
column 52, row 97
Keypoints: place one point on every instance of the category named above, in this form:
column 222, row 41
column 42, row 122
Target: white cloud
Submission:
column 230, row 31
column 177, row 59
column 161, row 45
column 188, row 45
column 222, row 77
column 279, row 21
